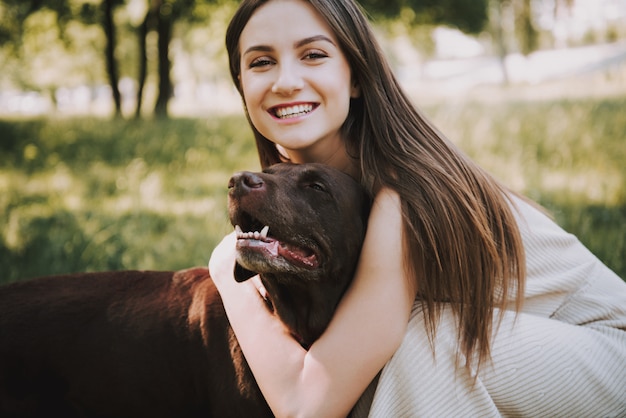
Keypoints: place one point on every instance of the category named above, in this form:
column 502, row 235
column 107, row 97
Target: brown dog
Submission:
column 158, row 344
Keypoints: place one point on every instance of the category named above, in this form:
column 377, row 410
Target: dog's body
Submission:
column 158, row 344
column 129, row 344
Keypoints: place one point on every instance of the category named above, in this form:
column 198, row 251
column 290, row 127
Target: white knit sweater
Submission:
column 564, row 355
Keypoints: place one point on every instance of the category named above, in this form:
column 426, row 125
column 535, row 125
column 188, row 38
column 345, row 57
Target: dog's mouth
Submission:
column 262, row 242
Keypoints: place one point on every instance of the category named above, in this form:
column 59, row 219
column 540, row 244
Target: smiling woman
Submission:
column 476, row 272
column 301, row 55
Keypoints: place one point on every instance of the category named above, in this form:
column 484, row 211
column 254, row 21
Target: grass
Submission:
column 94, row 194
column 89, row 194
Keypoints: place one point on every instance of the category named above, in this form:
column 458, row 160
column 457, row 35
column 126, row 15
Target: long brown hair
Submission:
column 461, row 238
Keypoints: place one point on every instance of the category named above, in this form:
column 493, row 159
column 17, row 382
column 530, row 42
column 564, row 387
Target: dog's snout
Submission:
column 246, row 182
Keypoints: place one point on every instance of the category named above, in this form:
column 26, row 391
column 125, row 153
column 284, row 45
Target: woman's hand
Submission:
column 222, row 262
column 222, row 267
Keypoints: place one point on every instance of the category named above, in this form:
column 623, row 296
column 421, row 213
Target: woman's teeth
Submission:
column 293, row 111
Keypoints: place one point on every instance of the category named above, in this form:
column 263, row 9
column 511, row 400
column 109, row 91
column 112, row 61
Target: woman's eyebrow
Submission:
column 262, row 48
column 297, row 44
column 312, row 39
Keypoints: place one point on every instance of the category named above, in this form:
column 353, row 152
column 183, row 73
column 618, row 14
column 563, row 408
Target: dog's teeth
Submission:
column 252, row 235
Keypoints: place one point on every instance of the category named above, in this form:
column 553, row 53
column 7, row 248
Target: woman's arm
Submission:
column 368, row 326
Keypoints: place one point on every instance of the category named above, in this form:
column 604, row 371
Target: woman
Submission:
column 479, row 275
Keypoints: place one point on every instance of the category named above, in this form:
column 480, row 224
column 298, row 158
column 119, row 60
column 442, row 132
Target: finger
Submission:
column 223, row 257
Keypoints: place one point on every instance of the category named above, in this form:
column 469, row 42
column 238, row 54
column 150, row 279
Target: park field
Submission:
column 89, row 194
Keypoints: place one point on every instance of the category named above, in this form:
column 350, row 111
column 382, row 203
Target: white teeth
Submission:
column 294, row 111
column 252, row 235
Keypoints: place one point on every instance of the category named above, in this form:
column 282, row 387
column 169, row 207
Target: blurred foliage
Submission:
column 468, row 15
column 95, row 194
column 573, row 149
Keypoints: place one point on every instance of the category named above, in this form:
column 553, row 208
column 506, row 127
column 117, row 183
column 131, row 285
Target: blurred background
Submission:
column 119, row 126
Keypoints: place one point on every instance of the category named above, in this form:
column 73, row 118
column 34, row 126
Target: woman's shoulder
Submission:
column 387, row 197
column 383, row 244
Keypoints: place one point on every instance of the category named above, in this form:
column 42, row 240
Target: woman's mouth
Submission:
column 293, row 111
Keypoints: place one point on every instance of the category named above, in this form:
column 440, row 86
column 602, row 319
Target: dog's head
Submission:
column 301, row 227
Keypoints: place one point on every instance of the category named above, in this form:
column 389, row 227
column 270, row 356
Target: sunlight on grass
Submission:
column 123, row 195
column 571, row 148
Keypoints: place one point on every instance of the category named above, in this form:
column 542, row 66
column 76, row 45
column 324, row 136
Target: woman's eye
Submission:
column 313, row 55
column 260, row 62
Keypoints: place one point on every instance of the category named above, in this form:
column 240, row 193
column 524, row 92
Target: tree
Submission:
column 497, row 29
column 90, row 14
column 526, row 34
column 161, row 16
column 146, row 25
column 12, row 30
column 108, row 25
column 165, row 20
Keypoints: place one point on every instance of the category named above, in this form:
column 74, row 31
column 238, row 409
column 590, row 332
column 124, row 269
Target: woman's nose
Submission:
column 288, row 80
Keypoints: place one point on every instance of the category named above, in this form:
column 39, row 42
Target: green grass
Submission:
column 93, row 194
column 90, row 194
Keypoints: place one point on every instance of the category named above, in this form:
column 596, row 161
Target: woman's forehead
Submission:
column 287, row 21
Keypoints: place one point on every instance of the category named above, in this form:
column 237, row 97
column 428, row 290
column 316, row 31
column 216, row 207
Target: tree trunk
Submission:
column 164, row 29
column 143, row 60
column 111, row 64
column 497, row 32
column 526, row 33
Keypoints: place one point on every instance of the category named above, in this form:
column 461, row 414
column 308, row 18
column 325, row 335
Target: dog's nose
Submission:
column 246, row 182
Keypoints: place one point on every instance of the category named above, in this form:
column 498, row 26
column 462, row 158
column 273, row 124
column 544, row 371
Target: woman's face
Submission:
column 296, row 82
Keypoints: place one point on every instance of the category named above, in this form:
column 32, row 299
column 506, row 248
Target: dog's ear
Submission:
column 242, row 274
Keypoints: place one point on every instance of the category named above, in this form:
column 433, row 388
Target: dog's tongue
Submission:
column 297, row 255
column 275, row 248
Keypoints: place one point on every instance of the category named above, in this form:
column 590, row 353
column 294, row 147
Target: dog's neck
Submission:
column 305, row 310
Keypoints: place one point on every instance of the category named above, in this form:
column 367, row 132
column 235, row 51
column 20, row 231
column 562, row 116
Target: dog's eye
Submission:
column 317, row 186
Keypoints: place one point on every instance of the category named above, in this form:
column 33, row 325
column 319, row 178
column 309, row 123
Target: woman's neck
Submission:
column 338, row 159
